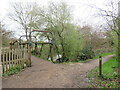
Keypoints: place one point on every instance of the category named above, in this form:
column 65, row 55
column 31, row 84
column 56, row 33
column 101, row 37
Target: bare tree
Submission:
column 112, row 19
column 23, row 14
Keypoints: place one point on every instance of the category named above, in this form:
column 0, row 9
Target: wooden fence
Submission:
column 12, row 58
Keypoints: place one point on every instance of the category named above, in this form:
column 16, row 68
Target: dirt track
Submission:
column 44, row 74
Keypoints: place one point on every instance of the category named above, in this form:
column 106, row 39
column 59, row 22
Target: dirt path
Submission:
column 44, row 74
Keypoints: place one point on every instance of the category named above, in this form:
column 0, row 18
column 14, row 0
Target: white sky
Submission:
column 83, row 14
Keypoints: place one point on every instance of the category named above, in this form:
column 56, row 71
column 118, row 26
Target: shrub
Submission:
column 86, row 53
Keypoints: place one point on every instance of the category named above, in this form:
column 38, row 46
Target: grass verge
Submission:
column 84, row 61
column 109, row 77
column 103, row 54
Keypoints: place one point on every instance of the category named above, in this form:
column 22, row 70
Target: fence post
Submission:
column 29, row 54
column 41, row 50
column 35, row 50
column 10, row 45
column 100, row 66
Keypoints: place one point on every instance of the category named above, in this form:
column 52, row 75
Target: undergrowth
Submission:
column 13, row 70
column 109, row 77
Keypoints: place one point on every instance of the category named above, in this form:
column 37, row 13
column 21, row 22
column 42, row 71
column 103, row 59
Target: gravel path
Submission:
column 44, row 74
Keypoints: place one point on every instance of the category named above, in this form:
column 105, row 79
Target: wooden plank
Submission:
column 29, row 56
column 12, row 58
column 21, row 62
column 16, row 56
column 3, row 59
column 6, row 59
column 8, row 53
column 20, row 55
column 26, row 56
column 18, row 50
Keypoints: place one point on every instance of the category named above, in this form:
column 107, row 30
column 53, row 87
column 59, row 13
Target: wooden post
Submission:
column 10, row 45
column 6, row 60
column 29, row 52
column 12, row 58
column 35, row 50
column 51, row 52
column 3, row 59
column 29, row 55
column 41, row 49
column 100, row 66
column 9, row 60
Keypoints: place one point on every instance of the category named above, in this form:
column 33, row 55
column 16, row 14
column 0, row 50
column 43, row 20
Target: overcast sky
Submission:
column 82, row 12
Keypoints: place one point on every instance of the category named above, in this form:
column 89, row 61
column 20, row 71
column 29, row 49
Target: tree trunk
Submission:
column 62, row 44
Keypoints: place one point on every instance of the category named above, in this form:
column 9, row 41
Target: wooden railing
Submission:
column 12, row 58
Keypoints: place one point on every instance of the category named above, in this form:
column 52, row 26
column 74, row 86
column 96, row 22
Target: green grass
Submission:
column 109, row 76
column 83, row 61
column 108, row 68
column 103, row 54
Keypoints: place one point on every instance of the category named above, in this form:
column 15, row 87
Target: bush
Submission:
column 87, row 53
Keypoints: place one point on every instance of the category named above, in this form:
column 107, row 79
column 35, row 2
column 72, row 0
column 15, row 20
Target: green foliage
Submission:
column 45, row 52
column 108, row 68
column 109, row 75
column 72, row 42
column 67, row 40
column 87, row 53
column 14, row 70
column 6, row 35
column 112, row 38
column 102, row 54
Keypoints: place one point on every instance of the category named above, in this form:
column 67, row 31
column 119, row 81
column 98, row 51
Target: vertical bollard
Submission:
column 100, row 66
